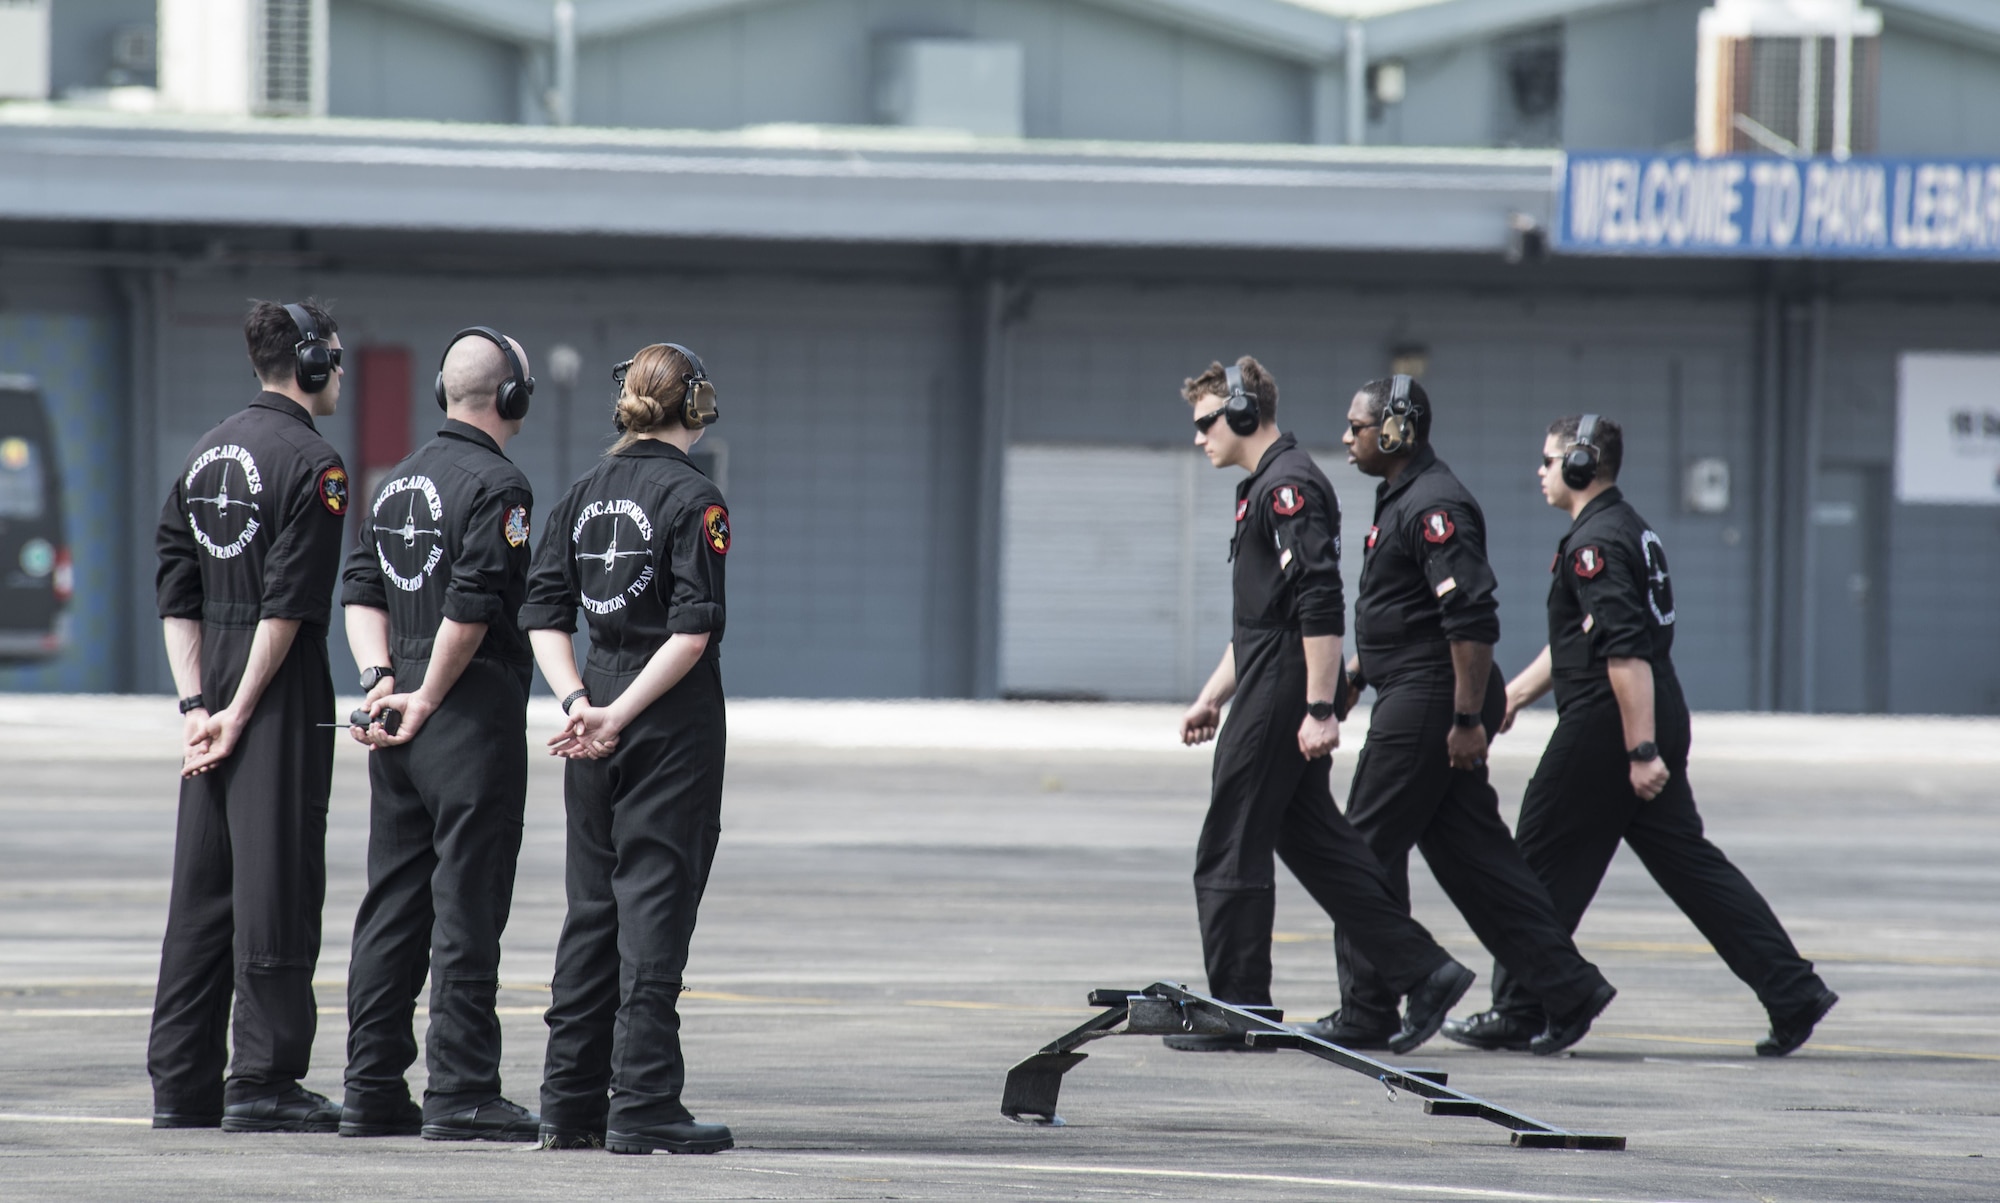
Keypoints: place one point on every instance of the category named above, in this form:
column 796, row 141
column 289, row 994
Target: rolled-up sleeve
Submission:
column 304, row 564
column 699, row 547
column 1451, row 543
column 361, row 581
column 177, row 585
column 552, row 592
column 487, row 557
column 1613, row 593
column 1306, row 523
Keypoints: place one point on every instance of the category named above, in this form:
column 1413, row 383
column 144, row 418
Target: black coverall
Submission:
column 1611, row 597
column 1266, row 796
column 251, row 530
column 446, row 537
column 639, row 543
column 1426, row 583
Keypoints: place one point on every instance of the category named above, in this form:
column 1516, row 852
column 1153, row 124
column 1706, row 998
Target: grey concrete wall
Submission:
column 386, row 63
column 1629, row 77
column 1938, row 98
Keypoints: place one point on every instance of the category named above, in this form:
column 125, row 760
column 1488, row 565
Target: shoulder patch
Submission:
column 1242, row 508
column 516, row 526
column 1588, row 561
column 715, row 529
column 1287, row 500
column 333, row 490
column 1438, row 527
column 1373, row 531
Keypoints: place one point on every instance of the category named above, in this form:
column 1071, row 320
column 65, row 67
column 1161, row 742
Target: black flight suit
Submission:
column 446, row 537
column 1425, row 583
column 1266, row 797
column 251, row 530
column 639, row 544
column 1611, row 596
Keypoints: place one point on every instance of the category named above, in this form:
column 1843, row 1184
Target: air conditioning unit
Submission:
column 263, row 57
column 1789, row 77
column 24, row 49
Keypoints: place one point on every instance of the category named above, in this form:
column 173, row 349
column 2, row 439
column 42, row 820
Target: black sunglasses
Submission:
column 333, row 357
column 1355, row 428
column 1203, row 421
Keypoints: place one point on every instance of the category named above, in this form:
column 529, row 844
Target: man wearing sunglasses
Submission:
column 1425, row 622
column 1280, row 673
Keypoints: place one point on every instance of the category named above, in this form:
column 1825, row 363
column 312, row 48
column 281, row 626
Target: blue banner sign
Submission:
column 1769, row 207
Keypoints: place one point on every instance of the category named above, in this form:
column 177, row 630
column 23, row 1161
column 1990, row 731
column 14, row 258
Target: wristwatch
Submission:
column 1321, row 711
column 571, row 699
column 192, row 702
column 1460, row 719
column 1645, row 753
column 371, row 677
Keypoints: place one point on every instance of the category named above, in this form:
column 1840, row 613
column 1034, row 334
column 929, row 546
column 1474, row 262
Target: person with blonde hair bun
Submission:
column 639, row 544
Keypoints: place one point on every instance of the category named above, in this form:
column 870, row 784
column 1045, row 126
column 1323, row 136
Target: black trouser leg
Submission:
column 1406, row 794
column 188, row 1050
column 1236, row 942
column 583, row 1006
column 392, row 937
column 278, row 783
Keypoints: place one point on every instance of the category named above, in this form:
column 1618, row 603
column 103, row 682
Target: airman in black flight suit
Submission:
column 432, row 590
column 1616, row 767
column 1282, row 668
column 638, row 543
column 1425, row 623
column 249, row 545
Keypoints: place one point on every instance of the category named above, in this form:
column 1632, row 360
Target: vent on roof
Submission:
column 1788, row 77
column 244, row 56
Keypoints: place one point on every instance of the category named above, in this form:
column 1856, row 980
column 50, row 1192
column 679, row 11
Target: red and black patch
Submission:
column 333, row 490
column 1287, row 500
column 1372, row 532
column 1242, row 508
column 1588, row 561
column 1438, row 527
column 715, row 529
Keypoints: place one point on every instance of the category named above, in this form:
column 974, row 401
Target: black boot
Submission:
column 295, row 1110
column 1565, row 1030
column 687, row 1136
column 498, row 1120
column 1425, row 1010
column 1338, row 1029
column 399, row 1117
column 1795, row 1029
column 1495, row 1031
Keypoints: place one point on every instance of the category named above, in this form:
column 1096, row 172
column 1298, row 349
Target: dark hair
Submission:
column 1257, row 384
column 1608, row 438
column 655, row 389
column 273, row 337
column 1376, row 392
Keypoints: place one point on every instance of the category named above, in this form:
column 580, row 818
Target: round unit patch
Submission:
column 715, row 528
column 408, row 553
column 605, row 582
column 220, row 490
column 516, row 528
column 333, row 490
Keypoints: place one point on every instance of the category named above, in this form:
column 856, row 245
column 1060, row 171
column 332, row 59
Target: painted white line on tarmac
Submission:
column 22, row 1117
column 1424, row 1189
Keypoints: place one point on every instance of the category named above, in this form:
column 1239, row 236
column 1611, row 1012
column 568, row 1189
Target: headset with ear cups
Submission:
column 1240, row 411
column 312, row 359
column 512, row 398
column 698, row 398
column 1399, row 417
column 1579, row 463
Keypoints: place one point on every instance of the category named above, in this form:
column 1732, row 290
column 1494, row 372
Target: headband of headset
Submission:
column 312, row 359
column 512, row 398
column 1579, row 463
column 1241, row 409
column 1399, row 417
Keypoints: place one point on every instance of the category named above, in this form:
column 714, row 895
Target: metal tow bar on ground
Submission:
column 1170, row 1009
column 390, row 720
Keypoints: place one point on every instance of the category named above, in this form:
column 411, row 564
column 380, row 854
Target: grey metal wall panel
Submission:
column 385, row 63
column 1629, row 76
column 1103, row 365
column 1937, row 98
column 1449, row 101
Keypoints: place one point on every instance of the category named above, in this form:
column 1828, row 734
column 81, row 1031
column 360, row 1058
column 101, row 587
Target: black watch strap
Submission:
column 1461, row 719
column 1645, row 753
column 571, row 699
column 371, row 677
column 193, row 702
column 1321, row 711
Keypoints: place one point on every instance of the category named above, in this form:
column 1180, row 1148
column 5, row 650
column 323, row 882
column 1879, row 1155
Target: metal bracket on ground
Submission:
column 1170, row 1009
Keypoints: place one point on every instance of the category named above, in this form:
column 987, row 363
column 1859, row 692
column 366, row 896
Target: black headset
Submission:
column 1579, row 463
column 312, row 359
column 512, row 398
column 1399, row 417
column 1240, row 411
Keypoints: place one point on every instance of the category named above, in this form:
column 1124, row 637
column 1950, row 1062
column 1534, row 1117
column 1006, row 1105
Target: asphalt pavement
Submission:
column 911, row 897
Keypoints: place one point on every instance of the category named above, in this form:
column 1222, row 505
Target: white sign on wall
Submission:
column 1948, row 429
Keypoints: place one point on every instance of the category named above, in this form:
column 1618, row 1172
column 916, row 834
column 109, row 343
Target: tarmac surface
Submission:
column 909, row 898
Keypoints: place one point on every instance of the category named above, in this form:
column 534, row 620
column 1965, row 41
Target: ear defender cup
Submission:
column 515, row 394
column 1579, row 463
column 1399, row 414
column 312, row 359
column 698, row 398
column 1240, row 411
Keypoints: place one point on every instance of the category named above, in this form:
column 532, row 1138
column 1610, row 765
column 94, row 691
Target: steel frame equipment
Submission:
column 1170, row 1009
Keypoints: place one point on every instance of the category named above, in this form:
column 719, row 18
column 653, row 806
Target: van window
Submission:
column 23, row 491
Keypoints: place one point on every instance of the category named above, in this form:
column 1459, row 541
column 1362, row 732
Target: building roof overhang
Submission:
column 774, row 183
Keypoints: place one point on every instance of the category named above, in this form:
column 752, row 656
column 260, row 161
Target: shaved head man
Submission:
column 432, row 590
